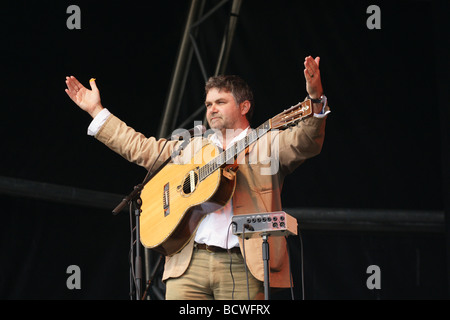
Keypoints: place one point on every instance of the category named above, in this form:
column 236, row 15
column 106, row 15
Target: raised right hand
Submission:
column 87, row 100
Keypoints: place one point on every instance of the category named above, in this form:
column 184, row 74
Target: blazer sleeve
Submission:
column 134, row 146
column 301, row 142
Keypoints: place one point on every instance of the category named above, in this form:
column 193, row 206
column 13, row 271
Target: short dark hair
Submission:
column 236, row 86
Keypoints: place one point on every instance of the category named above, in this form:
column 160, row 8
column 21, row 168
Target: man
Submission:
column 202, row 269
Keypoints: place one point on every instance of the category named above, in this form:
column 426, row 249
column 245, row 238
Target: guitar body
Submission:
column 175, row 201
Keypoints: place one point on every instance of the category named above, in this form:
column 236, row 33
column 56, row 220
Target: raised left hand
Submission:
column 312, row 76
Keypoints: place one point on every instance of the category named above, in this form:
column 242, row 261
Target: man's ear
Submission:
column 245, row 107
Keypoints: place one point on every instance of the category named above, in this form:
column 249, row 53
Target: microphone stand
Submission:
column 135, row 199
column 138, row 259
column 265, row 254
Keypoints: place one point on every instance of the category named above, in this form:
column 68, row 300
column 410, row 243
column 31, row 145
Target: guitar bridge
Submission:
column 166, row 206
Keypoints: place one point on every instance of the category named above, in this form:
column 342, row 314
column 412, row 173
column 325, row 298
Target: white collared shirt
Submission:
column 215, row 229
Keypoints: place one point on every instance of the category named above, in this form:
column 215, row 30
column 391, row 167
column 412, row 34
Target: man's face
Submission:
column 222, row 111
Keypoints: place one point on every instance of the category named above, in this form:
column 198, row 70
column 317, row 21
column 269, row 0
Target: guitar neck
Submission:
column 229, row 155
column 281, row 121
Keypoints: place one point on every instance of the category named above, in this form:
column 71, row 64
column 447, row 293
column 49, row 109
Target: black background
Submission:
column 385, row 145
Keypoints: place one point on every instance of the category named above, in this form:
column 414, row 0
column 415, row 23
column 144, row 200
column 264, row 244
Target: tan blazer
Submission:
column 259, row 181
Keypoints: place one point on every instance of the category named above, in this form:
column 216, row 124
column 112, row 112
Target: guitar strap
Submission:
column 229, row 171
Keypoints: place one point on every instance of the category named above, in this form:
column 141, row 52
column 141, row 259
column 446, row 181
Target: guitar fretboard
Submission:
column 282, row 120
column 229, row 155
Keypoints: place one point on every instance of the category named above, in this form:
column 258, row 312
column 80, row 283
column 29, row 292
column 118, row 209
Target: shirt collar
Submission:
column 215, row 139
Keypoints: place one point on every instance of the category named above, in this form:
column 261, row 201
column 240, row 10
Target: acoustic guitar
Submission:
column 178, row 196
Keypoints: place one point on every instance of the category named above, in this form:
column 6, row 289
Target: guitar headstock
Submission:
column 292, row 115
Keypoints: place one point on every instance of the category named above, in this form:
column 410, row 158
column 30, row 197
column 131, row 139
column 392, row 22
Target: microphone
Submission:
column 198, row 130
column 183, row 134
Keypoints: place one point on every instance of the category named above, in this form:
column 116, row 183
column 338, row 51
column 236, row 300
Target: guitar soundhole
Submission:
column 190, row 182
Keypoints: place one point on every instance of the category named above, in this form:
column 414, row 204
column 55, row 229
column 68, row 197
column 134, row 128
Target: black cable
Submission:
column 231, row 259
column 290, row 273
column 245, row 262
column 131, row 253
column 150, row 281
column 154, row 162
column 132, row 228
column 301, row 261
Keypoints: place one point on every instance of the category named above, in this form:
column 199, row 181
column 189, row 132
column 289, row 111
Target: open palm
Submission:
column 87, row 100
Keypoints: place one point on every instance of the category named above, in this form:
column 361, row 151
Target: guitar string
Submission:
column 204, row 171
column 209, row 167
